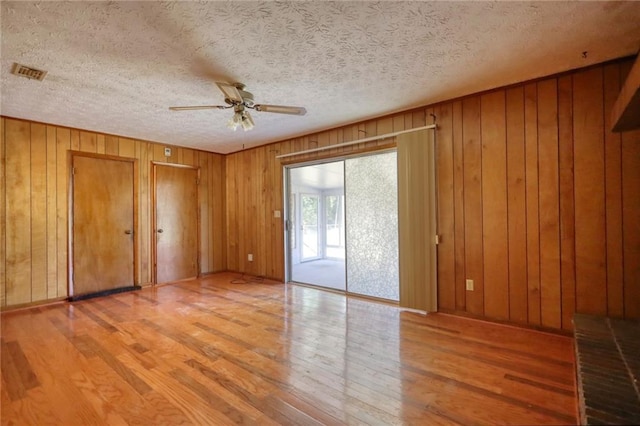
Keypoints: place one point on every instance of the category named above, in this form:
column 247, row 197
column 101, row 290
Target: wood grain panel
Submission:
column 566, row 200
column 398, row 123
column 631, row 211
column 516, row 205
column 589, row 153
column 74, row 135
column 264, row 213
column 127, row 147
column 232, row 210
column 111, row 145
column 613, row 196
column 243, row 182
column 445, row 203
column 63, row 143
column 38, row 212
column 3, row 179
column 88, row 142
column 548, row 175
column 144, row 213
column 203, row 195
column 256, row 212
column 458, row 204
column 218, row 230
column 494, row 205
column 52, row 243
column 187, row 156
column 278, row 223
column 472, row 149
column 270, row 206
column 533, row 226
column 100, row 144
column 384, row 125
column 18, row 230
column 630, row 222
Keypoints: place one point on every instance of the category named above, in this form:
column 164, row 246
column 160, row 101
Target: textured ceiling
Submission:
column 116, row 67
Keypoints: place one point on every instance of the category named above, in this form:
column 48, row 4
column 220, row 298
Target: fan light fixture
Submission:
column 239, row 99
column 240, row 118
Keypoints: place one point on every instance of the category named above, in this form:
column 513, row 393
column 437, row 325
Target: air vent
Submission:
column 28, row 72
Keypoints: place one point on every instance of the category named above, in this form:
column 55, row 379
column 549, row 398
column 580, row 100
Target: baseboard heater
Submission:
column 103, row 293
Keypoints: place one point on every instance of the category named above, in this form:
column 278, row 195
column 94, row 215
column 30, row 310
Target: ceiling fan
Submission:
column 240, row 100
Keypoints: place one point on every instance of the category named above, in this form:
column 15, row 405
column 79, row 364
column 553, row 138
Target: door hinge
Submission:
column 437, row 239
column 73, row 171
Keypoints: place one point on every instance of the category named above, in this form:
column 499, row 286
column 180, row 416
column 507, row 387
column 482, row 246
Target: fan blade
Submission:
column 230, row 92
column 281, row 109
column 189, row 108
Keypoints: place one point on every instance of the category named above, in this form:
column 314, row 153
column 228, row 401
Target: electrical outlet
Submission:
column 250, row 257
column 469, row 285
column 276, row 213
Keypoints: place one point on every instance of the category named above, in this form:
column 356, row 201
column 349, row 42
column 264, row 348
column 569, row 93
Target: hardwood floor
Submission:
column 210, row 351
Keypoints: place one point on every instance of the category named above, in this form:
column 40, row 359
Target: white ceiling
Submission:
column 321, row 177
column 116, row 67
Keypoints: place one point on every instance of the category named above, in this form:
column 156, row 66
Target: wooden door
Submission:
column 176, row 222
column 103, row 224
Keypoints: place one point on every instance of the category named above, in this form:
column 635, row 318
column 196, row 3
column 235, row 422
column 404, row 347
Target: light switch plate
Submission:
column 469, row 285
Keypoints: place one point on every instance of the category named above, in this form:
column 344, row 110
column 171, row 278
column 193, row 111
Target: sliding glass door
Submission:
column 343, row 225
column 371, row 192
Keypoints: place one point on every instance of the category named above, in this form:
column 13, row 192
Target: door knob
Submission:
column 160, row 231
column 128, row 231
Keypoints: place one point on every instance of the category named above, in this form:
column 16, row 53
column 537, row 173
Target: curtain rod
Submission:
column 369, row 139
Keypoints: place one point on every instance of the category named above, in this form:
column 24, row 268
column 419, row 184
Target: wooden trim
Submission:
column 625, row 114
column 6, row 310
column 180, row 166
column 136, row 255
column 505, row 323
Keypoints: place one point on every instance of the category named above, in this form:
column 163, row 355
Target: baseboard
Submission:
column 506, row 323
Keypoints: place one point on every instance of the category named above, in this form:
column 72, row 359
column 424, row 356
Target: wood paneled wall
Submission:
column 538, row 201
column 255, row 189
column 34, row 205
